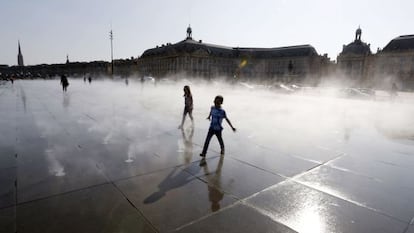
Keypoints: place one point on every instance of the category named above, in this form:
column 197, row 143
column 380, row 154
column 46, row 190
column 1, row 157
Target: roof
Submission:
column 189, row 46
column 401, row 43
column 357, row 47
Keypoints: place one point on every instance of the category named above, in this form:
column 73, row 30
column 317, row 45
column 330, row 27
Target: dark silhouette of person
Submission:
column 394, row 91
column 217, row 114
column 188, row 106
column 90, row 79
column 64, row 82
column 175, row 179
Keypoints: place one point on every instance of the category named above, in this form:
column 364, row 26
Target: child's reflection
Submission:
column 215, row 195
column 188, row 144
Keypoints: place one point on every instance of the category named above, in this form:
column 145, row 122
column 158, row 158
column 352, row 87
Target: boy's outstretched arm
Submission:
column 228, row 121
column 209, row 115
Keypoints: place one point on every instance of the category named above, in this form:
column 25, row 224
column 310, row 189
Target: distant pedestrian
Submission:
column 64, row 82
column 188, row 106
column 216, row 116
column 393, row 91
column 90, row 79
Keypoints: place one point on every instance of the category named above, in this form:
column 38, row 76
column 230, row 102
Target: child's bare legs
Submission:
column 182, row 121
column 190, row 113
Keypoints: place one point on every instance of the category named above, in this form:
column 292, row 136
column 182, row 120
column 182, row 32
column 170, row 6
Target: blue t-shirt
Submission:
column 217, row 115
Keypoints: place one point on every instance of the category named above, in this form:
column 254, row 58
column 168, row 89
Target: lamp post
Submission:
column 111, row 37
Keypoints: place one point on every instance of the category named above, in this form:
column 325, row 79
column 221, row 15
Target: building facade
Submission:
column 195, row 58
column 395, row 63
column 354, row 60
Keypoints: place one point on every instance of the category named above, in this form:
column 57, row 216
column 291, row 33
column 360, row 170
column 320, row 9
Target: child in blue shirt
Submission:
column 216, row 114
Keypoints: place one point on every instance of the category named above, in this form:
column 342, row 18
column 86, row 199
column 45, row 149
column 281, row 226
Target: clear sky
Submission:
column 50, row 29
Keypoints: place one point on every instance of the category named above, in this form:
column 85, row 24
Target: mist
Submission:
column 287, row 120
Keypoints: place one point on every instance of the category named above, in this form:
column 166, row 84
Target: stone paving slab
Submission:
column 174, row 197
column 388, row 198
column 238, row 218
column 96, row 209
column 233, row 177
column 307, row 210
column 8, row 220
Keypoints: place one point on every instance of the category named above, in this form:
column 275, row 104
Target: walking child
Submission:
column 216, row 117
column 188, row 106
column 64, row 82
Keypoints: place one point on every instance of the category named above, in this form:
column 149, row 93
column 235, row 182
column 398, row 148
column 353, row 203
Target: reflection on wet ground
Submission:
column 108, row 157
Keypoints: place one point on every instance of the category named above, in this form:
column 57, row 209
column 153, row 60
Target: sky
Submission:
column 48, row 30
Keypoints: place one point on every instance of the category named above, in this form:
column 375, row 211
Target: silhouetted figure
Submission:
column 393, row 91
column 175, row 179
column 126, row 82
column 64, row 82
column 216, row 114
column 84, row 79
column 290, row 67
column 188, row 106
column 90, row 79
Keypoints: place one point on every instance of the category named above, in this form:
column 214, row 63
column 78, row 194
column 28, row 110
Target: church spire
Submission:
column 19, row 56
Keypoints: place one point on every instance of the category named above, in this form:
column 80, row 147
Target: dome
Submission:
column 356, row 47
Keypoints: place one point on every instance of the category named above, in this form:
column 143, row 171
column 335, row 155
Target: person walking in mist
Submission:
column 393, row 91
column 216, row 117
column 64, row 82
column 188, row 106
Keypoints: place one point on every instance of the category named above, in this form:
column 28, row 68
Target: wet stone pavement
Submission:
column 108, row 157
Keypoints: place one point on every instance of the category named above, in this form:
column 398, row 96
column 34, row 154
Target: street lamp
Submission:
column 111, row 37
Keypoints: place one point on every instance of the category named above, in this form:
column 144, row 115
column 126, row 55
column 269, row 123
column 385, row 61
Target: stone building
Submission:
column 355, row 59
column 195, row 58
column 395, row 63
